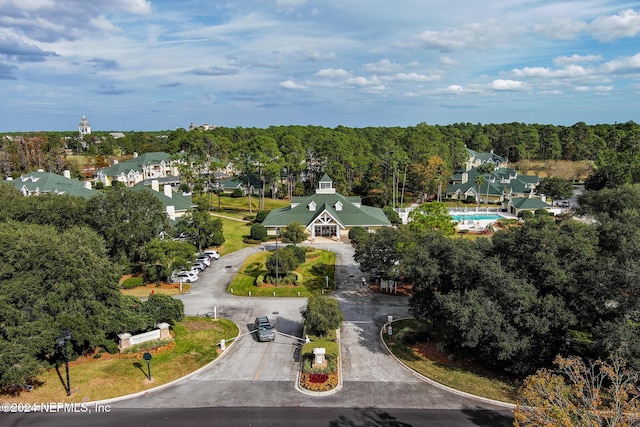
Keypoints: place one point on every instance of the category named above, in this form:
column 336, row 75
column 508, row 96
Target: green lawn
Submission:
column 239, row 207
column 312, row 283
column 234, row 234
column 472, row 380
column 112, row 376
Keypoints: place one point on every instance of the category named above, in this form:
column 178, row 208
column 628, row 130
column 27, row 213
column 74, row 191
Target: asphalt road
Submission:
column 254, row 383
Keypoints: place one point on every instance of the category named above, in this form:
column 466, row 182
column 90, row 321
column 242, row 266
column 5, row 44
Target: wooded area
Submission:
column 546, row 287
column 371, row 162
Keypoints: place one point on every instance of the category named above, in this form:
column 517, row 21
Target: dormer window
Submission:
column 312, row 206
column 338, row 206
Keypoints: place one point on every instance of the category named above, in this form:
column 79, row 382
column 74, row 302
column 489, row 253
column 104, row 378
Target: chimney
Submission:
column 171, row 212
column 135, row 154
column 167, row 191
column 87, row 185
column 66, row 173
column 154, row 185
column 115, row 162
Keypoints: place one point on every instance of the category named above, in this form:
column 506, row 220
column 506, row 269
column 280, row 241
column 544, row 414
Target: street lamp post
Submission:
column 62, row 341
column 147, row 357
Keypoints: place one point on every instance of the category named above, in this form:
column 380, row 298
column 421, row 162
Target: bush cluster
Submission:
column 132, row 282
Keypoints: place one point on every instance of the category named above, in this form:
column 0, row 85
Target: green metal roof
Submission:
column 48, row 182
column 526, row 203
column 135, row 164
column 349, row 216
column 179, row 201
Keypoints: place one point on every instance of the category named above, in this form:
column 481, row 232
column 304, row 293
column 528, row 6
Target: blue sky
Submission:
column 157, row 65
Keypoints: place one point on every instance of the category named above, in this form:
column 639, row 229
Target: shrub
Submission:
column 299, row 253
column 261, row 215
column 525, row 215
column 110, row 346
column 258, row 232
column 237, row 193
column 357, row 234
column 132, row 282
column 320, row 269
column 392, row 215
column 259, row 280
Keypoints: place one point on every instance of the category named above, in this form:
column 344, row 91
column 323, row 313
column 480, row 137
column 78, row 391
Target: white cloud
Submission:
column 500, row 84
column 414, row 77
column 291, row 85
column 333, row 73
column 603, row 28
column 626, row 65
column 383, row 66
column 471, row 36
column 570, row 71
column 362, row 81
column 574, row 59
column 44, row 20
column 561, row 28
column 448, row 61
column 312, row 55
column 609, row 28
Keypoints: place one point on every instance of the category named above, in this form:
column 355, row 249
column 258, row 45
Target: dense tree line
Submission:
column 62, row 258
column 382, row 164
column 515, row 301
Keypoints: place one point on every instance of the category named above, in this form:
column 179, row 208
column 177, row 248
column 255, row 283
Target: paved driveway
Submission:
column 258, row 374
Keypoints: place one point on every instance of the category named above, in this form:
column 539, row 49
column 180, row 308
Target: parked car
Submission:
column 200, row 265
column 263, row 329
column 185, row 276
column 212, row 254
column 197, row 268
column 205, row 259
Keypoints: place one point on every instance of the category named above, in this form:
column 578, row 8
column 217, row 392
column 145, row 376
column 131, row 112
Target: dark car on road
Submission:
column 263, row 329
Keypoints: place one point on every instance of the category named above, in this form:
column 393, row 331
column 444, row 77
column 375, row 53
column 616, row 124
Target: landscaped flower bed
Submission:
column 319, row 381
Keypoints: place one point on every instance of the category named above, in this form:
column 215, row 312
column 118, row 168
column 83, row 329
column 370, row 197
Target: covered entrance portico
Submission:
column 325, row 225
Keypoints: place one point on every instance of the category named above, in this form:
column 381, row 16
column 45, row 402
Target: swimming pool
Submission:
column 476, row 217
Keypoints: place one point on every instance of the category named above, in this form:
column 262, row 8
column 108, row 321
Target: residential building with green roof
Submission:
column 176, row 204
column 142, row 167
column 40, row 182
column 327, row 213
column 497, row 187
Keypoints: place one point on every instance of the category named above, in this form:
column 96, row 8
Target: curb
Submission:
column 171, row 383
column 437, row 384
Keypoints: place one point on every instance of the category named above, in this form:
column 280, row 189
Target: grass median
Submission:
column 312, row 282
column 109, row 376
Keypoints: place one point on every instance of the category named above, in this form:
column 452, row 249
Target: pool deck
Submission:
column 477, row 225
